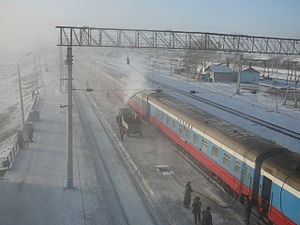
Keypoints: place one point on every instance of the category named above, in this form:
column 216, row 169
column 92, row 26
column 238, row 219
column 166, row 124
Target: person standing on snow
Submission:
column 20, row 139
column 248, row 206
column 122, row 132
column 197, row 209
column 187, row 195
column 206, row 217
column 30, row 132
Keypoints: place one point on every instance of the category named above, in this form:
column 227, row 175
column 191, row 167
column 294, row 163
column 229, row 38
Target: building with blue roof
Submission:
column 250, row 75
column 220, row 73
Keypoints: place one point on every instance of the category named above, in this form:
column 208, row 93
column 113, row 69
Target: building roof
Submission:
column 220, row 69
column 250, row 69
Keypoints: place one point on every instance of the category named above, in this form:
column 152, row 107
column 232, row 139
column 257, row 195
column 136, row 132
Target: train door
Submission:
column 147, row 111
column 266, row 194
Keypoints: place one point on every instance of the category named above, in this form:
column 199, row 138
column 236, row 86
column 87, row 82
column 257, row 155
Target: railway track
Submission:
column 253, row 119
column 111, row 171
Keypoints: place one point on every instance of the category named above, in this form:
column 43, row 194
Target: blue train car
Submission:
column 233, row 154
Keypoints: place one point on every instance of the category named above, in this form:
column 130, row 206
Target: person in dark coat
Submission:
column 122, row 132
column 197, row 209
column 206, row 216
column 30, row 132
column 20, row 139
column 248, row 206
column 187, row 195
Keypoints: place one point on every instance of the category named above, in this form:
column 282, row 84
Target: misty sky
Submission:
column 29, row 24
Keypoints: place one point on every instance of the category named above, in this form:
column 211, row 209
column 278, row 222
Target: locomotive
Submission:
column 130, row 121
column 253, row 167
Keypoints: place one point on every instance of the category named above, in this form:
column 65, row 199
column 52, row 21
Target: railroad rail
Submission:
column 254, row 119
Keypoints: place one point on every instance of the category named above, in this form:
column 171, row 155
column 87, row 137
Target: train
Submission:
column 253, row 167
column 258, row 169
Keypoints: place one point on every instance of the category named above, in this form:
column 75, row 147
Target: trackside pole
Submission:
column 69, row 63
column 60, row 68
column 239, row 76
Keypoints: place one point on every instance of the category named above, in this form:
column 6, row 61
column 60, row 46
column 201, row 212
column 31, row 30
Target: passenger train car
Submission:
column 261, row 170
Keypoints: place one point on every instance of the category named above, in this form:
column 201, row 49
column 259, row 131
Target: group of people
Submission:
column 200, row 217
column 129, row 119
column 205, row 218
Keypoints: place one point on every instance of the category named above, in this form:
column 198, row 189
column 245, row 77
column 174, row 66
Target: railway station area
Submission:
column 121, row 121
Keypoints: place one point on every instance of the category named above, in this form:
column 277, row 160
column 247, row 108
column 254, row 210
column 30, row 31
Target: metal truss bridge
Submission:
column 168, row 39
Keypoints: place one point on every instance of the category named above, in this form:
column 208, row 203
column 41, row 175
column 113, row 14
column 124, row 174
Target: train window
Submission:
column 168, row 120
column 246, row 172
column 180, row 129
column 187, row 133
column 237, row 167
column 215, row 152
column 195, row 139
column 174, row 124
column 159, row 115
column 156, row 113
column 226, row 160
column 204, row 146
column 164, row 118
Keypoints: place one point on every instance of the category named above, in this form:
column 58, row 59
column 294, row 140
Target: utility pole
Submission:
column 238, row 84
column 152, row 73
column 21, row 97
column 36, row 75
column 295, row 85
column 69, row 62
column 20, row 90
column 60, row 68
column 170, row 63
column 40, row 67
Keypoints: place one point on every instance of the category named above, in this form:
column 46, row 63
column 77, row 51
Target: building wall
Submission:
column 223, row 77
column 249, row 77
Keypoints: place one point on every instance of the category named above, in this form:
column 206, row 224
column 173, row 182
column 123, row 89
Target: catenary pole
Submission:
column 69, row 62
column 20, row 89
column 21, row 97
column 60, row 68
column 238, row 84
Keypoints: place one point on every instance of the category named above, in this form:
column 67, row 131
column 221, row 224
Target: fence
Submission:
column 8, row 156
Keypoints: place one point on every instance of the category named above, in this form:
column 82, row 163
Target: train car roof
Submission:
column 241, row 141
column 285, row 167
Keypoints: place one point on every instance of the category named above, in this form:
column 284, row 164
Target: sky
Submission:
column 30, row 24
